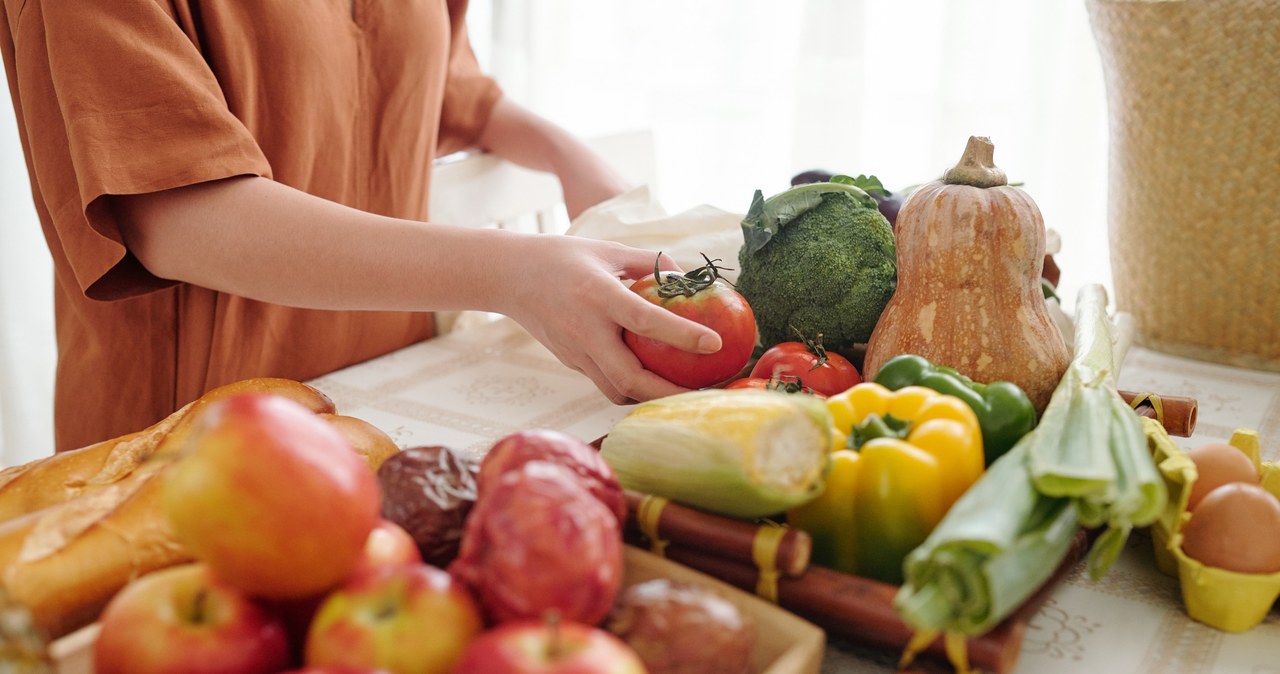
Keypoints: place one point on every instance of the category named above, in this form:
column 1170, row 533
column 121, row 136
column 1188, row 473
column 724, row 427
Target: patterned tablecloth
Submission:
column 471, row 387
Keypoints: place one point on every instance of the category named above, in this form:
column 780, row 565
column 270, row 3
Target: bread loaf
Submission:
column 61, row 477
column 65, row 555
column 66, row 561
column 368, row 440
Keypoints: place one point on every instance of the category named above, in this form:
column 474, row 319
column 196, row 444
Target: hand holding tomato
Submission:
column 701, row 296
column 825, row 372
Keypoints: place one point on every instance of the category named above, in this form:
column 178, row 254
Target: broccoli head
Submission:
column 817, row 259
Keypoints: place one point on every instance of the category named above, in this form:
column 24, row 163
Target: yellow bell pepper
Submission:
column 828, row 519
column 906, row 456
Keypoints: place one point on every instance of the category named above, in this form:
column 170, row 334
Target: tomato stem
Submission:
column 786, row 384
column 689, row 283
column 814, row 346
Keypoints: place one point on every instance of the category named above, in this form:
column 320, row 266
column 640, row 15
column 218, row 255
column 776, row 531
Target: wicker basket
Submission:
column 1193, row 89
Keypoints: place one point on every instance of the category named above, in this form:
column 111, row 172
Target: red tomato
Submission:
column 699, row 296
column 825, row 372
column 785, row 384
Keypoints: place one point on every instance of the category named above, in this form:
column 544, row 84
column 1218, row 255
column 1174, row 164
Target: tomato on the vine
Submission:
column 826, row 372
column 701, row 296
column 784, row 383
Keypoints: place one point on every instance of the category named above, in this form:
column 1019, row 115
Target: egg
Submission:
column 1218, row 464
column 1237, row 528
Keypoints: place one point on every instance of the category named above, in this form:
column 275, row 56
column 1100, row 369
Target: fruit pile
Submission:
column 308, row 561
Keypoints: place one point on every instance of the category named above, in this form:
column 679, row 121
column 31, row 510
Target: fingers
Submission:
column 628, row 377
column 646, row 319
column 638, row 315
column 624, row 385
column 639, row 264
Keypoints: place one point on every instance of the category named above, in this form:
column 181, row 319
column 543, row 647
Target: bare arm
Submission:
column 260, row 239
column 520, row 136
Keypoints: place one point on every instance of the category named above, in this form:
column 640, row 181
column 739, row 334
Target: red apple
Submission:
column 538, row 541
column 388, row 545
column 517, row 449
column 182, row 619
column 534, row 647
column 404, row 619
column 272, row 497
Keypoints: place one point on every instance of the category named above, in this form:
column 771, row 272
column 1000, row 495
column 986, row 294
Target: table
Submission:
column 468, row 388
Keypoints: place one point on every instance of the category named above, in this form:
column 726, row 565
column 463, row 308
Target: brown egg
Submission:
column 1218, row 464
column 1237, row 528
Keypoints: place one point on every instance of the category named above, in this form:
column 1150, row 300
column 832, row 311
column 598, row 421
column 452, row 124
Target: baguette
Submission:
column 67, row 559
column 55, row 479
column 65, row 562
column 368, row 440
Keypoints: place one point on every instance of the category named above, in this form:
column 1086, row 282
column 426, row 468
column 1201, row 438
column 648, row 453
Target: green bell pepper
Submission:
column 1004, row 411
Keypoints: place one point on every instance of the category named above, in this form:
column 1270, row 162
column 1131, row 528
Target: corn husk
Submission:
column 742, row 453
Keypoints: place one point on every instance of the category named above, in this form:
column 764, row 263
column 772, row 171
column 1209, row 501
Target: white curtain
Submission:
column 740, row 95
column 26, row 309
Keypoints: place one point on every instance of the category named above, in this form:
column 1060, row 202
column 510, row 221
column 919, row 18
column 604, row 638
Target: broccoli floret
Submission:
column 817, row 258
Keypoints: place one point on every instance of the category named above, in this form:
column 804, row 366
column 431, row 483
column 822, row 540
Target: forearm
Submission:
column 260, row 239
column 519, row 136
column 522, row 137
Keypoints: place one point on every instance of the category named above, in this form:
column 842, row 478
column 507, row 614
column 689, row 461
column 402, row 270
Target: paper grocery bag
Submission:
column 637, row 219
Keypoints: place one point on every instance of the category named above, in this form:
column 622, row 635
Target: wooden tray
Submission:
column 786, row 644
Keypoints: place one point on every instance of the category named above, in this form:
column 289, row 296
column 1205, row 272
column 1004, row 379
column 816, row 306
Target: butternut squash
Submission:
column 970, row 255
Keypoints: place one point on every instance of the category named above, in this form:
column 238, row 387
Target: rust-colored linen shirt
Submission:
column 349, row 100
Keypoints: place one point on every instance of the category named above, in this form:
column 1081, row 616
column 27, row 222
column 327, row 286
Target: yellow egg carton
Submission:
column 1227, row 600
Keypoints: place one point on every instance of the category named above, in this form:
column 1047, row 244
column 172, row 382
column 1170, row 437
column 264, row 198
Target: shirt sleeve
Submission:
column 118, row 95
column 469, row 94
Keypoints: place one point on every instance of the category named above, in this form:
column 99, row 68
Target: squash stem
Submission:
column 977, row 167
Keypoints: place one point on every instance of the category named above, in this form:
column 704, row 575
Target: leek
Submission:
column 743, row 453
column 996, row 546
column 1090, row 446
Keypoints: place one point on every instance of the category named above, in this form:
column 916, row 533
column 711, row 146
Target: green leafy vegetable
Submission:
column 767, row 217
column 819, row 258
column 868, row 184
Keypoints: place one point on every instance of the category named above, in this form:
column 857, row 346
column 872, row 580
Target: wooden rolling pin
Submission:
column 693, row 529
column 1176, row 413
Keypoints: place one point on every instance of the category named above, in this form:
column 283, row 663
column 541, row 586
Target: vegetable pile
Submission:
column 982, row 442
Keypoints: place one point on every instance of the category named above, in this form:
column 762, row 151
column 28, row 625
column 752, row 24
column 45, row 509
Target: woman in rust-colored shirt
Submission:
column 235, row 189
